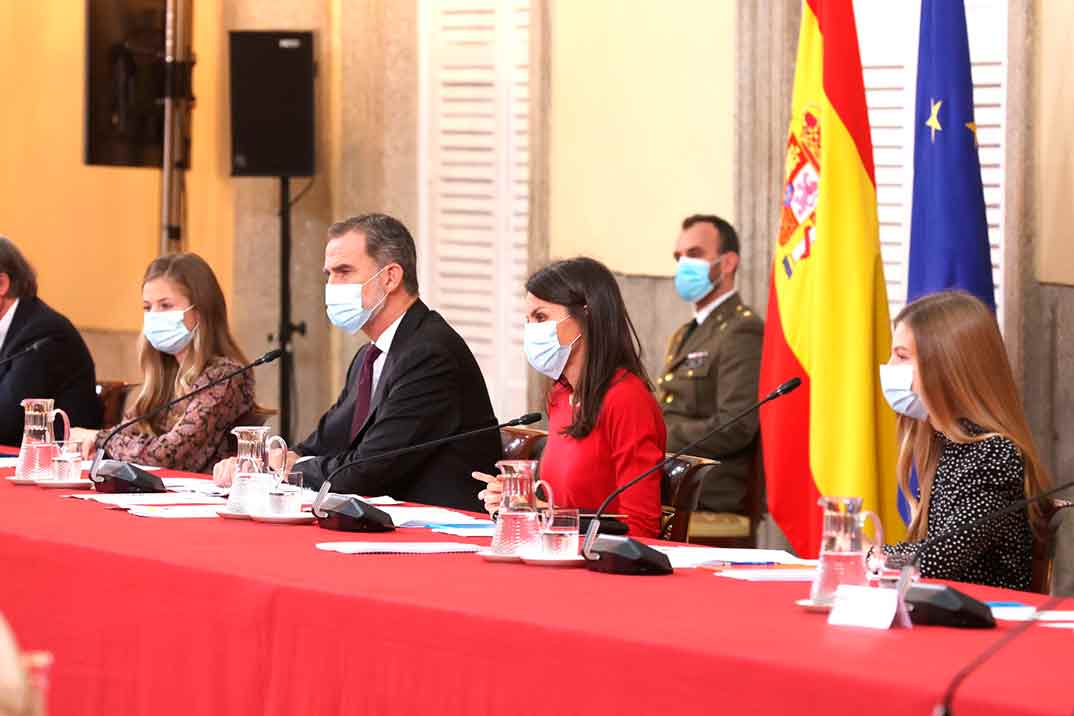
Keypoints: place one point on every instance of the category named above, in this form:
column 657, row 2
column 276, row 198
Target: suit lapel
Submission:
column 22, row 315
column 411, row 319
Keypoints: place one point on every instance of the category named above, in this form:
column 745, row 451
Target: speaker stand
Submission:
column 286, row 328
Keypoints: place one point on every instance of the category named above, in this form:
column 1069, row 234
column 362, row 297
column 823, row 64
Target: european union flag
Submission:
column 949, row 231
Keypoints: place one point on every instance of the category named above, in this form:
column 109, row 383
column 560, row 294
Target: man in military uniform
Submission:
column 712, row 364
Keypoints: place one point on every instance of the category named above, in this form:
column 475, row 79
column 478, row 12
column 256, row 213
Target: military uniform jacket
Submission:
column 710, row 375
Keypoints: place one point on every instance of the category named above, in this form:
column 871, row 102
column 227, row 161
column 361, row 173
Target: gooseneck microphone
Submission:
column 28, row 349
column 123, row 477
column 622, row 555
column 350, row 514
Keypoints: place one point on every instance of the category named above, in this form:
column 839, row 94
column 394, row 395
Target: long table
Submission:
column 211, row 616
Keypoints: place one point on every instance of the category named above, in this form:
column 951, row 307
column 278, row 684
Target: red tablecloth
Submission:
column 206, row 616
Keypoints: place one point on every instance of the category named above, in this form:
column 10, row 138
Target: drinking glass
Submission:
column 286, row 497
column 559, row 533
column 67, row 460
column 249, row 492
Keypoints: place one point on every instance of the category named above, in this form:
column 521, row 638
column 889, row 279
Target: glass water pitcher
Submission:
column 254, row 446
column 842, row 551
column 39, row 439
column 518, row 519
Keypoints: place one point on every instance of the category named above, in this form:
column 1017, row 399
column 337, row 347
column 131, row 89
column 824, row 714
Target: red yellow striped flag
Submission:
column 827, row 316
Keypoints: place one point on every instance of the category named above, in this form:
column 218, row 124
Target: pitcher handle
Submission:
column 878, row 530
column 545, row 516
column 276, row 439
column 66, row 423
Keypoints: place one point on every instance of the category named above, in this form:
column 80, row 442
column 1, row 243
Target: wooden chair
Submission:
column 113, row 397
column 680, row 491
column 732, row 529
column 1044, row 547
column 521, row 443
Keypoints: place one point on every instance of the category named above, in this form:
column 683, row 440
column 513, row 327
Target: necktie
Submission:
column 365, row 389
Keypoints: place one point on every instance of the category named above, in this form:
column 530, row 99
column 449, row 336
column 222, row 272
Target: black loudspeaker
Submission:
column 272, row 104
column 940, row 605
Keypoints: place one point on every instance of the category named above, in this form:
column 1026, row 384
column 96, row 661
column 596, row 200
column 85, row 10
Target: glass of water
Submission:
column 67, row 460
column 559, row 533
column 286, row 497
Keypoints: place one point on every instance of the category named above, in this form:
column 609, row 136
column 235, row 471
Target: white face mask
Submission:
column 540, row 341
column 166, row 331
column 343, row 303
column 896, row 381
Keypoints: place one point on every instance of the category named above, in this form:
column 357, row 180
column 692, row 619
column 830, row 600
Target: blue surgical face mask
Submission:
column 343, row 303
column 166, row 331
column 543, row 351
column 896, row 381
column 692, row 278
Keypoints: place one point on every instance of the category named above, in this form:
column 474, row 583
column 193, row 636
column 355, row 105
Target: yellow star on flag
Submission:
column 972, row 126
column 933, row 122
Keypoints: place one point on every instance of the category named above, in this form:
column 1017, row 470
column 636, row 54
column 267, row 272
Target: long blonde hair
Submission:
column 963, row 373
column 163, row 377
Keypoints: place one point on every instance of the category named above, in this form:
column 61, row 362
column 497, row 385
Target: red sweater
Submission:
column 628, row 439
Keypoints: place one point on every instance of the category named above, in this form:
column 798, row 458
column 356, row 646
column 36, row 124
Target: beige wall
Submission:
column 1055, row 142
column 641, row 125
column 96, row 228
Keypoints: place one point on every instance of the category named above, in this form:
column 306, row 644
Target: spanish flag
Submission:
column 827, row 308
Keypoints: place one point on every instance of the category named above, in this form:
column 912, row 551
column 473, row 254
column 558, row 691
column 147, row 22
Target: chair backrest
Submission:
column 680, row 491
column 113, row 397
column 521, row 443
column 754, row 501
column 1046, row 549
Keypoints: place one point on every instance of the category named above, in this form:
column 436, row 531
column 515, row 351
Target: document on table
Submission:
column 778, row 574
column 194, row 484
column 430, row 517
column 122, row 501
column 690, row 556
column 175, row 511
column 398, row 547
column 86, row 464
column 478, row 529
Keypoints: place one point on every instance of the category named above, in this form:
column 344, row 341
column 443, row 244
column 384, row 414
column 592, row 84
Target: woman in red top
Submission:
column 604, row 425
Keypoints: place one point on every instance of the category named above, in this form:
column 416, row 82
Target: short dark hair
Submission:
column 591, row 295
column 387, row 241
column 18, row 270
column 728, row 235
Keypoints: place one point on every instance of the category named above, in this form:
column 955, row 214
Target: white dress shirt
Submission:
column 5, row 322
column 384, row 343
column 705, row 312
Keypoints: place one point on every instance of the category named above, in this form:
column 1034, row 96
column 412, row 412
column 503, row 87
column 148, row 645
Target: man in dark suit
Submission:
column 59, row 368
column 415, row 381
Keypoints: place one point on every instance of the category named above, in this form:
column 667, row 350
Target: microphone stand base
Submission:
column 622, row 555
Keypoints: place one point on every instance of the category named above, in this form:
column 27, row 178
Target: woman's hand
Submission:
column 87, row 440
column 493, row 492
column 224, row 472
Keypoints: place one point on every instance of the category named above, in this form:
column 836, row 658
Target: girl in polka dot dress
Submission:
column 962, row 427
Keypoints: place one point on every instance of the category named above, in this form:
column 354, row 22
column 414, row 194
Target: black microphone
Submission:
column 946, row 606
column 120, row 476
column 28, row 349
column 622, row 555
column 350, row 514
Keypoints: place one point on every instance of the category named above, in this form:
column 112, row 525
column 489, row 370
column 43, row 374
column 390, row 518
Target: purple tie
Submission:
column 365, row 390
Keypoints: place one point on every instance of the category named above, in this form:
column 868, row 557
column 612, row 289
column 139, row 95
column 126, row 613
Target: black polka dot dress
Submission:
column 972, row 480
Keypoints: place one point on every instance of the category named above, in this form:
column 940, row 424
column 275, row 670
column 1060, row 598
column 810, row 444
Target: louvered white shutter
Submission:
column 888, row 37
column 474, row 180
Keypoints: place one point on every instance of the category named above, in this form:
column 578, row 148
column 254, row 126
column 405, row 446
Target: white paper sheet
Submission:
column 381, row 500
column 398, row 547
column 86, row 464
column 136, row 499
column 691, row 556
column 176, row 511
column 769, row 575
column 425, row 516
column 476, row 531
